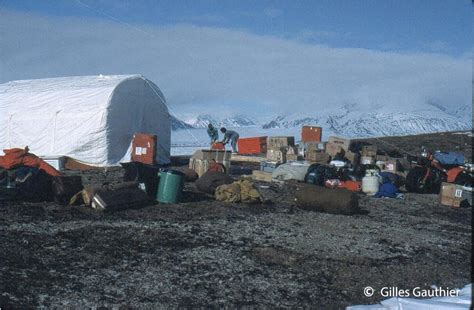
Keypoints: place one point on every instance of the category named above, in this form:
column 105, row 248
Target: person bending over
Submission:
column 230, row 136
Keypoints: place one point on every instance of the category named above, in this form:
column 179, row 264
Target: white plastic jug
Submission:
column 370, row 184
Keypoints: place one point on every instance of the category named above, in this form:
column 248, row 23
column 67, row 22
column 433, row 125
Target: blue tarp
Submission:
column 449, row 158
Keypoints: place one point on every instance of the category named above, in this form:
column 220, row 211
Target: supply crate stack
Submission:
column 277, row 152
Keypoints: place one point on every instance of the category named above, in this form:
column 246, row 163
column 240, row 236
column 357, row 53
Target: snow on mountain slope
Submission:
column 238, row 121
column 201, row 121
column 357, row 120
column 235, row 121
column 366, row 124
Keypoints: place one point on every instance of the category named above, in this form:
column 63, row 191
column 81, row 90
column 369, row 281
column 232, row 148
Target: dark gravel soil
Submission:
column 446, row 141
column 210, row 253
column 207, row 253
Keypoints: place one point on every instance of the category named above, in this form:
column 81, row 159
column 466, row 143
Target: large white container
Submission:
column 370, row 184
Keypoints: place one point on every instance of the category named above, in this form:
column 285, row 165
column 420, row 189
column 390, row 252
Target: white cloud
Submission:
column 204, row 69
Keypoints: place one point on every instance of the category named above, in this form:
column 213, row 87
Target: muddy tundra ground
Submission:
column 206, row 253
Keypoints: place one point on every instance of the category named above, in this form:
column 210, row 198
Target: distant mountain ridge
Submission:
column 354, row 123
column 351, row 121
column 202, row 121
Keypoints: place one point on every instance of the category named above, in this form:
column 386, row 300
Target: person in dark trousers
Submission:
column 212, row 133
column 230, row 136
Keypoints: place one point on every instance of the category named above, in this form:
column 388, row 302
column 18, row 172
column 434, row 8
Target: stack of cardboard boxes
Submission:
column 311, row 146
column 368, row 155
column 277, row 148
column 336, row 144
column 277, row 152
column 202, row 159
column 292, row 154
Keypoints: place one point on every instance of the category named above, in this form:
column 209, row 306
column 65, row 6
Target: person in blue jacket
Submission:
column 230, row 136
column 212, row 133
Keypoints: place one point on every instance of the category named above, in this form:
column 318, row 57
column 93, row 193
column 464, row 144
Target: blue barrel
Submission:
column 170, row 186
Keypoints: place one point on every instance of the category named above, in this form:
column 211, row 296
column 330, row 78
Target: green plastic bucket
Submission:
column 170, row 186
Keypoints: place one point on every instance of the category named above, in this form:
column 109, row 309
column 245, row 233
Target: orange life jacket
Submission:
column 18, row 157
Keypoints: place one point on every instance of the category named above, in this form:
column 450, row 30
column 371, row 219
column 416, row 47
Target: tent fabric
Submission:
column 89, row 118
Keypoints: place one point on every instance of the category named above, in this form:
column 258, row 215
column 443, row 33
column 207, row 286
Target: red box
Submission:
column 252, row 146
column 144, row 148
column 311, row 134
column 218, row 146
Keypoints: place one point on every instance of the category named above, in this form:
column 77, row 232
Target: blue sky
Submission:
column 425, row 25
column 252, row 57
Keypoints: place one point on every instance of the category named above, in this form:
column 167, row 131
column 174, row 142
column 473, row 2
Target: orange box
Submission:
column 453, row 173
column 218, row 146
column 252, row 146
column 311, row 134
column 353, row 186
column 144, row 148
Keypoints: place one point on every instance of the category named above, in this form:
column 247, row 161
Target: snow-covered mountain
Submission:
column 177, row 124
column 353, row 120
column 201, row 121
column 238, row 121
column 353, row 123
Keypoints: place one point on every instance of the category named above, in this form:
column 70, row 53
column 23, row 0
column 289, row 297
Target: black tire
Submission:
column 463, row 179
column 413, row 183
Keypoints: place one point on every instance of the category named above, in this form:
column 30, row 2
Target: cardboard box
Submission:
column 317, row 157
column 451, row 194
column 369, row 150
column 333, row 149
column 200, row 161
column 262, row 176
column 342, row 142
column 277, row 154
column 274, row 142
column 353, row 157
column 382, row 158
column 311, row 134
column 291, row 150
column 293, row 157
column 252, row 146
column 367, row 160
column 391, row 166
column 217, row 155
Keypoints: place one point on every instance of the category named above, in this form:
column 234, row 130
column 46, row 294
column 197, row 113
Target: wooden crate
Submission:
column 311, row 134
column 342, row 142
column 274, row 142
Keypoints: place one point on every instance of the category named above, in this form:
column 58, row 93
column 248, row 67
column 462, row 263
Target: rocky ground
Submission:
column 206, row 253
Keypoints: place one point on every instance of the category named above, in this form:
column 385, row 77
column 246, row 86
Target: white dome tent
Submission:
column 89, row 118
